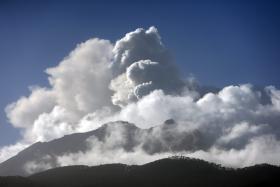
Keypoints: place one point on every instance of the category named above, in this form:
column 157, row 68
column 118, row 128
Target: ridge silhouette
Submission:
column 174, row 171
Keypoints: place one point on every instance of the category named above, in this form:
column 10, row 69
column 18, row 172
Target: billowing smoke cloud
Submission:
column 79, row 85
column 26, row 110
column 135, row 80
column 141, row 64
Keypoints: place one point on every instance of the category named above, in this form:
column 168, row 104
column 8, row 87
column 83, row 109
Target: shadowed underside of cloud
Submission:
column 135, row 80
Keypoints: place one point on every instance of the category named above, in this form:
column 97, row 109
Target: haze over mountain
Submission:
column 136, row 80
column 41, row 156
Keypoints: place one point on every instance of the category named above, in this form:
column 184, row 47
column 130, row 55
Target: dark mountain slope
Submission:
column 167, row 139
column 68, row 144
column 175, row 172
column 17, row 182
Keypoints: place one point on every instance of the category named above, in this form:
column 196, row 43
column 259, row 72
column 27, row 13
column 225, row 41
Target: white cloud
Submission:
column 214, row 128
column 81, row 80
column 139, row 45
column 238, row 131
column 37, row 166
column 233, row 126
column 51, row 125
column 140, row 79
column 141, row 65
column 79, row 85
column 8, row 151
column 264, row 149
column 275, row 97
column 26, row 110
column 89, row 81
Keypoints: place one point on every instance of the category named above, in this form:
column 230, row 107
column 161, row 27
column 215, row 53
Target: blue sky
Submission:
column 219, row 42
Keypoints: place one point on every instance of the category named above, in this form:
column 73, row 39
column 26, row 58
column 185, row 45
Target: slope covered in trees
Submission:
column 175, row 171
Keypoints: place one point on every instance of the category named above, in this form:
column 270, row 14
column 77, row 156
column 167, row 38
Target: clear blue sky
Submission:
column 220, row 42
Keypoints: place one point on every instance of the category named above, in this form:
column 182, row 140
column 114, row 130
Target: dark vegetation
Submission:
column 170, row 172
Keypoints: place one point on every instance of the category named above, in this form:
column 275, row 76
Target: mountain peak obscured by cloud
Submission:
column 134, row 79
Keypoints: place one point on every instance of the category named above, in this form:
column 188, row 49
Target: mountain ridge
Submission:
column 156, row 140
column 174, row 171
column 58, row 146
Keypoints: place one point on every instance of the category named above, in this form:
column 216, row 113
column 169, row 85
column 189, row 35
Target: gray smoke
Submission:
column 135, row 80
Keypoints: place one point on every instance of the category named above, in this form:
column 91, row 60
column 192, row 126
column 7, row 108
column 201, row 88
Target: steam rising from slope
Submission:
column 135, row 80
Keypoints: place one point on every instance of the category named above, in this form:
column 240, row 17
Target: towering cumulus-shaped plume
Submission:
column 142, row 64
column 135, row 80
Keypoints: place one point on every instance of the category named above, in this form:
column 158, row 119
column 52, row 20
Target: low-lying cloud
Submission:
column 135, row 80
